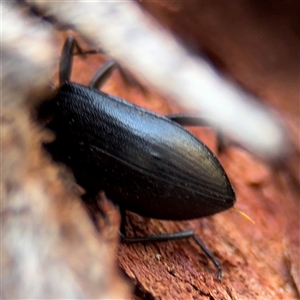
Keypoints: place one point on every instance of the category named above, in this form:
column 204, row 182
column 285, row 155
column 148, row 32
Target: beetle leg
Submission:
column 103, row 74
column 66, row 60
column 194, row 120
column 187, row 119
column 175, row 236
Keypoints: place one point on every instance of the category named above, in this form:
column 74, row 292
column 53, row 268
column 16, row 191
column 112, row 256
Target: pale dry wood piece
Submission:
column 50, row 247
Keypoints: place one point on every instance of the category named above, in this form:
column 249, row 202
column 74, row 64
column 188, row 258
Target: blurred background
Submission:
column 234, row 63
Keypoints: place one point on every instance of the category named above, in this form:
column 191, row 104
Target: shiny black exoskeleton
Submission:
column 146, row 163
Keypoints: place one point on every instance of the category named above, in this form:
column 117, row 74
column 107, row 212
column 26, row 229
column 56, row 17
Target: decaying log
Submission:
column 259, row 47
column 50, row 238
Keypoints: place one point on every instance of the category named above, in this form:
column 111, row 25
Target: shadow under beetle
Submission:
column 146, row 163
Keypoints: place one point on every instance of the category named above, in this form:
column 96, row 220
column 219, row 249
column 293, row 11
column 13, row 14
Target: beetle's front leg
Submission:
column 66, row 59
column 71, row 47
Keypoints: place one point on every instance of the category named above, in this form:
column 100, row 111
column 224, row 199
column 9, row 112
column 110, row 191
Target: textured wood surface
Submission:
column 260, row 261
column 255, row 44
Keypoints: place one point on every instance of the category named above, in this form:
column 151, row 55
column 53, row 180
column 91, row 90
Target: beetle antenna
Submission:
column 244, row 215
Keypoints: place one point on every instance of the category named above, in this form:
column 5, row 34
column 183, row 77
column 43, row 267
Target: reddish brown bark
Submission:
column 259, row 47
column 256, row 45
column 259, row 261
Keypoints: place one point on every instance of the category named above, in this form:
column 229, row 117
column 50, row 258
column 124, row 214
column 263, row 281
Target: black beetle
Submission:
column 146, row 163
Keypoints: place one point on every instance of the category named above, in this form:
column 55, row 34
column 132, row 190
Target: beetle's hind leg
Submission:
column 194, row 120
column 168, row 237
column 71, row 47
column 187, row 119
